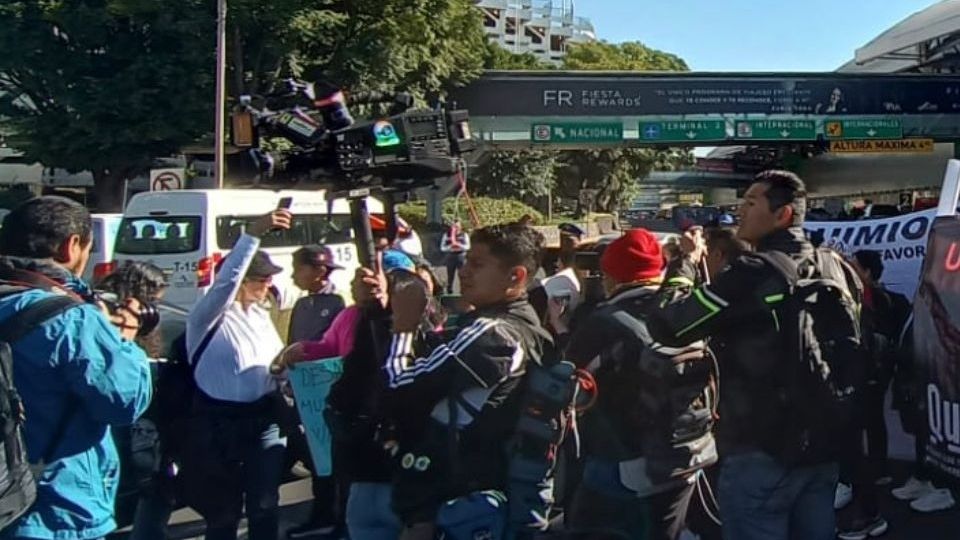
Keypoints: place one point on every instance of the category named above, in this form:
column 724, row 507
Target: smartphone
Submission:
column 285, row 203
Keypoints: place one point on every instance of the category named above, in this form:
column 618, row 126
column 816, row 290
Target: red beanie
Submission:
column 635, row 256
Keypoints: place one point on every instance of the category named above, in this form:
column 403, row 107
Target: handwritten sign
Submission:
column 311, row 383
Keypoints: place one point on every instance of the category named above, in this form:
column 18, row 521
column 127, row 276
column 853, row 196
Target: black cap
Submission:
column 261, row 266
column 571, row 229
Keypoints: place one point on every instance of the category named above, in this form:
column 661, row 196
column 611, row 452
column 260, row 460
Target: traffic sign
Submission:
column 861, row 129
column 684, row 131
column 166, row 179
column 577, row 133
column 904, row 146
column 776, row 130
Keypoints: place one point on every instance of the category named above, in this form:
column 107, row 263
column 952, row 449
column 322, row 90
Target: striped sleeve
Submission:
column 404, row 367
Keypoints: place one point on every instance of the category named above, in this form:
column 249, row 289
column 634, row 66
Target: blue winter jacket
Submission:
column 76, row 371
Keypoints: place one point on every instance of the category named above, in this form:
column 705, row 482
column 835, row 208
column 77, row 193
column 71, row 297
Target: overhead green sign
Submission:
column 776, row 130
column 577, row 133
column 863, row 129
column 683, row 131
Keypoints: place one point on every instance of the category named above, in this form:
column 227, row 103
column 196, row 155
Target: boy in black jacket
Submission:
column 459, row 399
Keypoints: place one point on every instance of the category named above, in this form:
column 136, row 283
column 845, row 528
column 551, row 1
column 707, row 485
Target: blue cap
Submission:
column 394, row 260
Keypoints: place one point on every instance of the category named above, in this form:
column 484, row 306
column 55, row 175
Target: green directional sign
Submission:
column 863, row 128
column 684, row 131
column 577, row 133
column 776, row 130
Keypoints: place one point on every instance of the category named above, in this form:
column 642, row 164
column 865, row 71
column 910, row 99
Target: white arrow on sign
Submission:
column 559, row 132
column 872, row 132
column 784, row 134
column 691, row 134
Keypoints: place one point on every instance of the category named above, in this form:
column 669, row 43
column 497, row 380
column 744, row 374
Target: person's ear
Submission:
column 518, row 275
column 784, row 216
column 69, row 249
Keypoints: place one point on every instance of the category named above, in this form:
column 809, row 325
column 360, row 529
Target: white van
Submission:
column 105, row 229
column 187, row 232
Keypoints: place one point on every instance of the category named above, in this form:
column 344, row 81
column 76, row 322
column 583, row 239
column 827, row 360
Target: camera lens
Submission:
column 149, row 318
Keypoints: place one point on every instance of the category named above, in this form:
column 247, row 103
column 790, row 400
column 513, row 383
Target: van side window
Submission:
column 306, row 229
column 159, row 235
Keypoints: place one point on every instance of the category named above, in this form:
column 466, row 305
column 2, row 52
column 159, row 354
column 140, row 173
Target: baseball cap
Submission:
column 395, row 260
column 261, row 266
column 316, row 256
column 635, row 256
column 570, row 228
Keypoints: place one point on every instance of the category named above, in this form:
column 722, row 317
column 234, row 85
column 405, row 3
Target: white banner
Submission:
column 901, row 241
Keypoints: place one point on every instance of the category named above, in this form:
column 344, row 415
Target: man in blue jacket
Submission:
column 77, row 374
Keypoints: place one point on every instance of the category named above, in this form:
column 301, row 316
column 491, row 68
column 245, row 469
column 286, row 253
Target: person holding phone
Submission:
column 236, row 451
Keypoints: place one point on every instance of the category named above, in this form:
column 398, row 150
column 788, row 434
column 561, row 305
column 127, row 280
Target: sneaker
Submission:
column 311, row 529
column 860, row 529
column 938, row 499
column 843, row 496
column 913, row 489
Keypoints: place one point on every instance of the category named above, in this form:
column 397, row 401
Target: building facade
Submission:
column 543, row 28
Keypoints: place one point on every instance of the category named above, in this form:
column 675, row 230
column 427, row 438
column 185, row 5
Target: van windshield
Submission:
column 157, row 235
column 306, row 229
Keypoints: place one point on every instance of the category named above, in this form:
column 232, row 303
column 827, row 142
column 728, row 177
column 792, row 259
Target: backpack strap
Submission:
column 28, row 319
column 202, row 347
column 784, row 264
column 22, row 323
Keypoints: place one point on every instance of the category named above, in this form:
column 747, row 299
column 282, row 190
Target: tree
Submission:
column 630, row 56
column 419, row 46
column 106, row 86
column 614, row 172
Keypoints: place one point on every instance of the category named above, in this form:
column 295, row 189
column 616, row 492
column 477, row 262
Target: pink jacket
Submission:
column 338, row 339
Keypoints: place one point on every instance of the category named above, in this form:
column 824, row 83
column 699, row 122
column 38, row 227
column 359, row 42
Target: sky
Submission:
column 749, row 35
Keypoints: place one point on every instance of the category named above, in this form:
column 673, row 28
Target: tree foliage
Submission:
column 108, row 85
column 630, row 56
column 105, row 86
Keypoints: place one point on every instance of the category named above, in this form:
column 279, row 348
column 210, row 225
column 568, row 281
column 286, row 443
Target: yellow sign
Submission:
column 834, row 129
column 904, row 146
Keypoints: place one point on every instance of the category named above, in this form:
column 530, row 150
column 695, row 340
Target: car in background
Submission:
column 104, row 230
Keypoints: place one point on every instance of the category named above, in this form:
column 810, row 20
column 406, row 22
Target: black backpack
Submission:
column 817, row 393
column 18, row 489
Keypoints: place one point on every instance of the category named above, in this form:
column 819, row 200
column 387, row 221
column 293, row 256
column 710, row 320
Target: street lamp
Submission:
column 221, row 98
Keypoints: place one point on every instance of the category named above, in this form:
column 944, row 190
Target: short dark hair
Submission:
column 724, row 239
column 135, row 279
column 785, row 188
column 871, row 261
column 38, row 227
column 513, row 244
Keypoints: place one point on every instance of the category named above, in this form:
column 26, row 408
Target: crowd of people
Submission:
column 683, row 399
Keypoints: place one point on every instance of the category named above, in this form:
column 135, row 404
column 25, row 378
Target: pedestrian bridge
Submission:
column 562, row 109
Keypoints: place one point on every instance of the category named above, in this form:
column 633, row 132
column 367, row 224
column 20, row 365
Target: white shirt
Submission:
column 235, row 364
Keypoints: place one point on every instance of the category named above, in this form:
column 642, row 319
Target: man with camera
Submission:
column 650, row 431
column 77, row 373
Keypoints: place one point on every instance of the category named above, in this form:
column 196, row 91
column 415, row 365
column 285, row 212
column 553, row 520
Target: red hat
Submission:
column 635, row 256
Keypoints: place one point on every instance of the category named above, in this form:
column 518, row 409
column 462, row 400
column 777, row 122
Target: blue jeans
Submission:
column 760, row 499
column 369, row 514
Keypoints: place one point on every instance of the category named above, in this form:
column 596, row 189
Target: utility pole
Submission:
column 221, row 98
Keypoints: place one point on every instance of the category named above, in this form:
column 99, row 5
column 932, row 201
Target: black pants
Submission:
column 657, row 517
column 454, row 264
column 876, row 425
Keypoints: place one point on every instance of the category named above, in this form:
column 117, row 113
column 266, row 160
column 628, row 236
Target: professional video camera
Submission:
column 405, row 150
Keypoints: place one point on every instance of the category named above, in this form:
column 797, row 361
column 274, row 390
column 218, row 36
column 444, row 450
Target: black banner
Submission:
column 566, row 94
column 936, row 334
